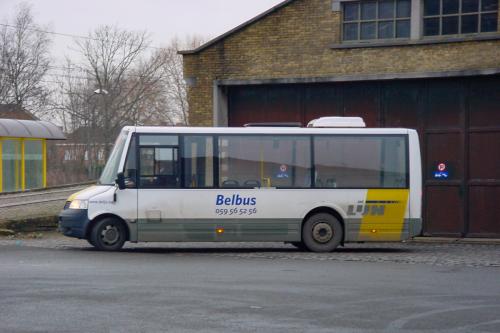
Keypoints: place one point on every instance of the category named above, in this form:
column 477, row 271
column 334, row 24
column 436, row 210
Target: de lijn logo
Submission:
column 370, row 207
column 235, row 200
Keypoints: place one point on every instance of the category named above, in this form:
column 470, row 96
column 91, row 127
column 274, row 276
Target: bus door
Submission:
column 125, row 204
column 159, row 185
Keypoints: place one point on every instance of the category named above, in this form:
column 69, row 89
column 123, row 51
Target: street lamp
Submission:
column 101, row 92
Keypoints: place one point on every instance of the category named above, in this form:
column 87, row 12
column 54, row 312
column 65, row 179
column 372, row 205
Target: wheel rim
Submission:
column 322, row 232
column 110, row 235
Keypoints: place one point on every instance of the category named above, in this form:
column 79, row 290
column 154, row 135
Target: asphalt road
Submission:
column 157, row 289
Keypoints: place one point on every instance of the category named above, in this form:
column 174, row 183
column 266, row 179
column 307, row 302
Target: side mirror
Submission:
column 120, row 180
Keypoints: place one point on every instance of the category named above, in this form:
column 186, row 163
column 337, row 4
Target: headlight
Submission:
column 79, row 204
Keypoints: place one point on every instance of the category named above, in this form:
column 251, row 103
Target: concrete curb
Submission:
column 43, row 223
column 7, row 232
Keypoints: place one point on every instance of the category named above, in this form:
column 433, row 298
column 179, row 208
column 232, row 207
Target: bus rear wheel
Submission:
column 322, row 232
column 108, row 234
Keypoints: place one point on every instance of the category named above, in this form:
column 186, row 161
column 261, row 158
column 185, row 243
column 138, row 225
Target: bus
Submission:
column 331, row 183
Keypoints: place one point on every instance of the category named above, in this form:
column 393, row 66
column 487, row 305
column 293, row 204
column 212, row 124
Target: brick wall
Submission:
column 295, row 42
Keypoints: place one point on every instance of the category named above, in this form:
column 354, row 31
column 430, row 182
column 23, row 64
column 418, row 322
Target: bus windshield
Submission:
column 111, row 169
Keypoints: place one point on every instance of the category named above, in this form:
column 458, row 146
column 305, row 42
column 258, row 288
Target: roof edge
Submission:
column 236, row 29
column 37, row 129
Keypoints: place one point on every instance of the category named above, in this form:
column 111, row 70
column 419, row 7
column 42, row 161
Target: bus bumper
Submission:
column 73, row 222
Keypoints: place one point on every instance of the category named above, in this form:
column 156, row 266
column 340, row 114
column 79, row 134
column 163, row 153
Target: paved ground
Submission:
column 435, row 254
column 57, row 284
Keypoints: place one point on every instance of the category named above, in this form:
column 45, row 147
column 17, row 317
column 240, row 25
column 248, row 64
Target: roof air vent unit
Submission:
column 337, row 122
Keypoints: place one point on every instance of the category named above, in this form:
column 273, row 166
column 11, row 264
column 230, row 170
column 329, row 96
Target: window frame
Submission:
column 182, row 145
column 179, row 160
column 407, row 161
column 460, row 15
column 359, row 21
column 133, row 144
column 216, row 160
column 309, row 136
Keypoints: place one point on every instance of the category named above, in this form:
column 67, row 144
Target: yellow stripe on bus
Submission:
column 73, row 196
column 385, row 215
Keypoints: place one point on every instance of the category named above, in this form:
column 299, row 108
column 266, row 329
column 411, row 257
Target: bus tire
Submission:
column 89, row 240
column 322, row 232
column 108, row 234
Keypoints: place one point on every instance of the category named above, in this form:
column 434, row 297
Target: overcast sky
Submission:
column 164, row 19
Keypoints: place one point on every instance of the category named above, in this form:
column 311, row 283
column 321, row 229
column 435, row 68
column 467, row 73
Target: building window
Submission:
column 376, row 20
column 456, row 17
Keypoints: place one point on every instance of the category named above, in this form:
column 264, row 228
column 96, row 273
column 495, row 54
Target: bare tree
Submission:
column 119, row 81
column 24, row 61
column 117, row 77
column 171, row 106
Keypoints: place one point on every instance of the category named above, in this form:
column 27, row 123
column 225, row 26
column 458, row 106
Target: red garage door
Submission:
column 459, row 124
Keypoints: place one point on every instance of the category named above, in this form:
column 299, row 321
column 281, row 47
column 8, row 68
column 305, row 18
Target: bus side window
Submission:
column 159, row 167
column 360, row 161
column 256, row 161
column 198, row 161
column 159, row 161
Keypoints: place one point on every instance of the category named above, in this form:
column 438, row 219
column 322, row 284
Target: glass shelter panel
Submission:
column 33, row 164
column 360, row 161
column 264, row 161
column 11, row 165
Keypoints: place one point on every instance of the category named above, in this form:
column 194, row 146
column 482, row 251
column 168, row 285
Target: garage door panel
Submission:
column 484, row 211
column 484, row 156
column 445, row 104
column 283, row 104
column 246, row 105
column 322, row 101
column 444, row 210
column 252, row 104
column 444, row 148
column 484, row 102
column 402, row 104
column 362, row 100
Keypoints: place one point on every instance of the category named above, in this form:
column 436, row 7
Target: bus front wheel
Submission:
column 108, row 234
column 322, row 232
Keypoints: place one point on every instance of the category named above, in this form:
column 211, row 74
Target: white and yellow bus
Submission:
column 317, row 187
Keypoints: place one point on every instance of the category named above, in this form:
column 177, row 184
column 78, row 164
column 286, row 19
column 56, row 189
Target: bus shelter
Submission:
column 23, row 153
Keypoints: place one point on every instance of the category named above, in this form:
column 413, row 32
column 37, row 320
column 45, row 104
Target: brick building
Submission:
column 433, row 65
column 14, row 111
